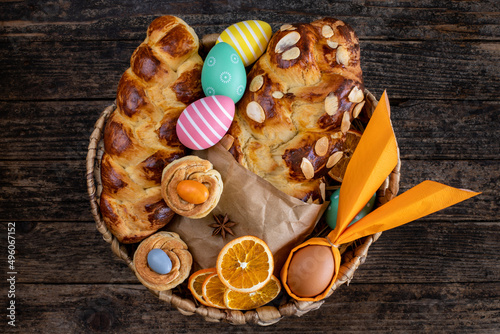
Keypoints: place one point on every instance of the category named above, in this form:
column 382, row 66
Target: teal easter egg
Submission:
column 159, row 261
column 223, row 73
column 331, row 212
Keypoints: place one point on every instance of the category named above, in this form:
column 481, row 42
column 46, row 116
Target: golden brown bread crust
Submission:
column 303, row 89
column 139, row 138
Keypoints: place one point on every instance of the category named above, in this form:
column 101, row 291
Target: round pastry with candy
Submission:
column 191, row 187
column 162, row 261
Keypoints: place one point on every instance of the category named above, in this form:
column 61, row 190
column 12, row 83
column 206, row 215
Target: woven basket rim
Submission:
column 264, row 316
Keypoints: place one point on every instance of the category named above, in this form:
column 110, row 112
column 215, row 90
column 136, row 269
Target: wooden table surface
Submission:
column 60, row 62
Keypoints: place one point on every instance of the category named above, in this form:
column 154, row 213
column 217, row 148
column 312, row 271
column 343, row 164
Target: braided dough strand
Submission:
column 140, row 138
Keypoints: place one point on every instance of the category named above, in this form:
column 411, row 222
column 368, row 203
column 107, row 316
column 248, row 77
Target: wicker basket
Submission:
column 266, row 315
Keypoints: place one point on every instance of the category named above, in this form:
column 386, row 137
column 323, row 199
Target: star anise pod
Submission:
column 222, row 226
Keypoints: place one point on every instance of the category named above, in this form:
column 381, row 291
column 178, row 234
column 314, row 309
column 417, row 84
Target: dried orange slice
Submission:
column 213, row 291
column 337, row 172
column 245, row 264
column 247, row 301
column 195, row 283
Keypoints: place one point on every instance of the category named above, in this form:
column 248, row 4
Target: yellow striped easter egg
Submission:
column 248, row 38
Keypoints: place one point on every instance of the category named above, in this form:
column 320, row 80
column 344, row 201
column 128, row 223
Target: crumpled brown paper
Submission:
column 257, row 206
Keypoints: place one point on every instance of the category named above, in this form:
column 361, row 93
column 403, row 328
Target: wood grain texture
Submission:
column 67, row 251
column 407, row 69
column 359, row 308
column 463, row 20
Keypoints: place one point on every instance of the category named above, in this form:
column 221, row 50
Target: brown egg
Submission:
column 311, row 270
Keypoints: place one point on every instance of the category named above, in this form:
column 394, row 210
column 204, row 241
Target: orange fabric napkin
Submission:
column 421, row 200
column 374, row 158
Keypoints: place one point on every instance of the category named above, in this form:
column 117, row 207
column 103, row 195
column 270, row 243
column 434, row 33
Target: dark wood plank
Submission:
column 56, row 190
column 59, row 253
column 457, row 129
column 477, row 175
column 55, row 130
column 408, row 70
column 427, row 251
column 359, row 308
column 432, row 69
column 63, row 70
column 372, row 19
column 60, row 130
column 424, row 251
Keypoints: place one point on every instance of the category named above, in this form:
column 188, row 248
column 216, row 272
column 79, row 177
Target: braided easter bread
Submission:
column 139, row 138
column 302, row 95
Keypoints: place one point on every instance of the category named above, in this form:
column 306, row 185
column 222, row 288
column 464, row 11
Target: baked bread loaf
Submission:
column 140, row 139
column 299, row 103
column 193, row 168
column 176, row 250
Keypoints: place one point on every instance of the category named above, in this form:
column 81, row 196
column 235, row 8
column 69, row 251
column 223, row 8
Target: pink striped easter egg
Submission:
column 204, row 122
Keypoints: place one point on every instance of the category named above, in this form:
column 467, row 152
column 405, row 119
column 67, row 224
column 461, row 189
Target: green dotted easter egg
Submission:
column 331, row 212
column 223, row 73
